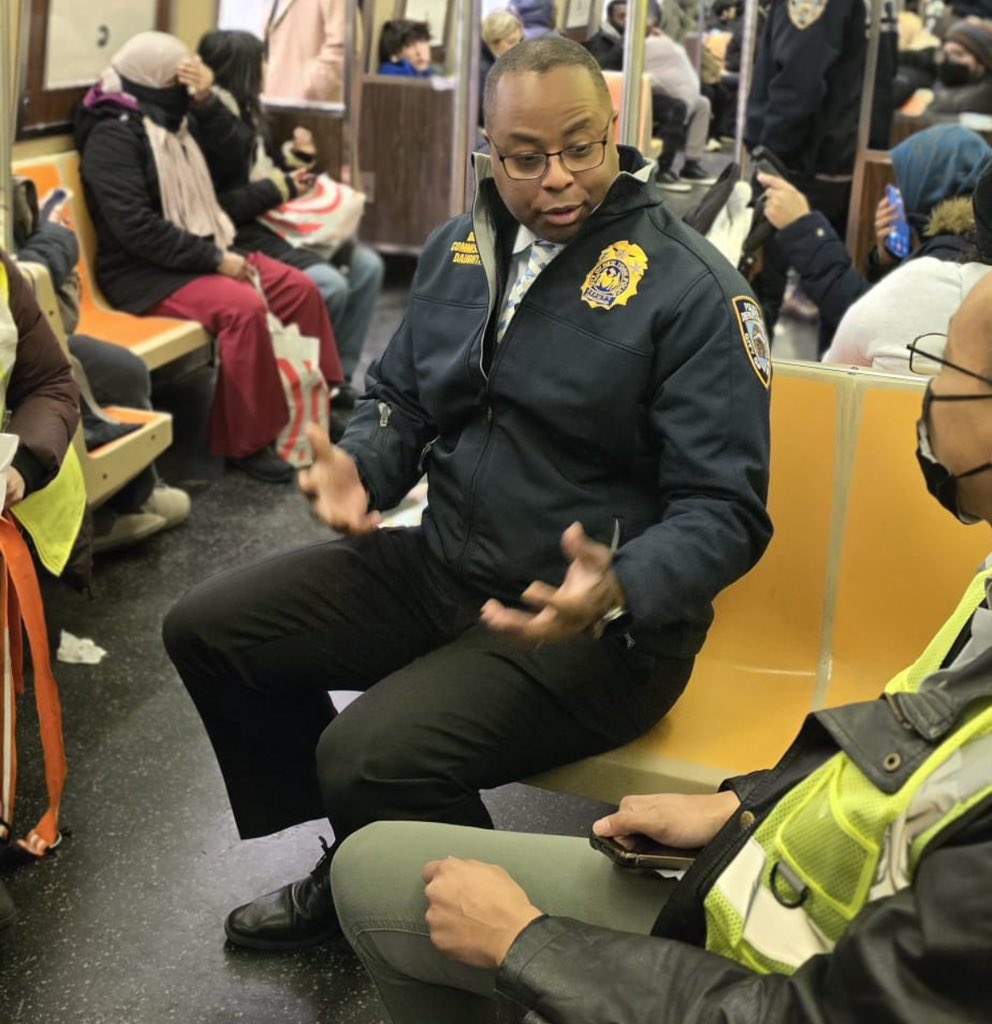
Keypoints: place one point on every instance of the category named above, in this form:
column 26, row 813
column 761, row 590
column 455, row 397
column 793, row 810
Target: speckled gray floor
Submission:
column 124, row 922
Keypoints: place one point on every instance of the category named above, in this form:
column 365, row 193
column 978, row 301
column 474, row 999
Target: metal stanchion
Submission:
column 748, row 46
column 466, row 68
column 871, row 66
column 633, row 70
column 8, row 93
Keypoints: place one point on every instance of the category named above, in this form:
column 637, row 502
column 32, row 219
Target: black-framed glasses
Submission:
column 923, row 361
column 583, row 156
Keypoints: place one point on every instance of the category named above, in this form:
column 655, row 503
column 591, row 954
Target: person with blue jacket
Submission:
column 585, row 382
column 405, row 49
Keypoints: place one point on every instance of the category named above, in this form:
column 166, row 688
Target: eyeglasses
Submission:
column 584, row 156
column 927, row 364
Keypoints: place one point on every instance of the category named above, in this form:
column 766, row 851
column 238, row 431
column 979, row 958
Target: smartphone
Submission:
column 897, row 240
column 765, row 161
column 646, row 854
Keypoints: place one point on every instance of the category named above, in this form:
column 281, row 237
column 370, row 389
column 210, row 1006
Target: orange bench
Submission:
column 157, row 340
column 862, row 570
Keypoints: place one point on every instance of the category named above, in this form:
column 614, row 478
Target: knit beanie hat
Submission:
column 975, row 37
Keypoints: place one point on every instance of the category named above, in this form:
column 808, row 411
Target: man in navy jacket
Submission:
column 584, row 381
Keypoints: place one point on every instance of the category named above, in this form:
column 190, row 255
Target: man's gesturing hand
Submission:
column 475, row 910
column 589, row 590
column 332, row 483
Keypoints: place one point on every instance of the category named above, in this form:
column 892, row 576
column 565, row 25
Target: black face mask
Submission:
column 953, row 72
column 166, row 107
column 940, row 481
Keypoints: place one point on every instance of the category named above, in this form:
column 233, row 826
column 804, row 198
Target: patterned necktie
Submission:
column 541, row 254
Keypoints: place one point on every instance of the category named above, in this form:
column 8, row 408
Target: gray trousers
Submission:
column 379, row 895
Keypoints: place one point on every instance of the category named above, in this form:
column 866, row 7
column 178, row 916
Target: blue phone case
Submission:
column 897, row 241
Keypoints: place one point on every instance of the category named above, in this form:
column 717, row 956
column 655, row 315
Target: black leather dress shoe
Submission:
column 265, row 465
column 296, row 916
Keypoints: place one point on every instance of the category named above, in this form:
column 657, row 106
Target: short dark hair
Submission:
column 613, row 5
column 400, row 33
column 541, row 55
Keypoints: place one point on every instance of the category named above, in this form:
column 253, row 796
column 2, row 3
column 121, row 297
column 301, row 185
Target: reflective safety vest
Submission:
column 838, row 839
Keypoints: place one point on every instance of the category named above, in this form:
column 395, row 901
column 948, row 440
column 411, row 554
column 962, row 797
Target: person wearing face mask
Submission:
column 164, row 246
column 584, row 380
column 852, row 882
column 964, row 70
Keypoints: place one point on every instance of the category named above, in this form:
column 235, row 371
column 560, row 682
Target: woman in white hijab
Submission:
column 164, row 244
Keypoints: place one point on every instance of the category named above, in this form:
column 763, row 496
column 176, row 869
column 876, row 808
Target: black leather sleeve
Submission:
column 920, row 955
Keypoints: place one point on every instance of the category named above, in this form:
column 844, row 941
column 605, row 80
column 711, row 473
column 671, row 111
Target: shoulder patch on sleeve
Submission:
column 803, row 13
column 754, row 336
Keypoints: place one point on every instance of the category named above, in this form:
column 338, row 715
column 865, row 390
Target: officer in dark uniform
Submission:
column 804, row 106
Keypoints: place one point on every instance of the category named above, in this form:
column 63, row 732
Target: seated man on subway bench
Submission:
column 584, row 381
column 850, row 884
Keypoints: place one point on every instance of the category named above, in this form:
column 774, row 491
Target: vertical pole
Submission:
column 871, row 66
column 748, row 46
column 633, row 70
column 8, row 94
column 864, row 123
column 466, row 68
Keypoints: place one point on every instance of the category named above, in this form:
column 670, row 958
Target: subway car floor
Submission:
column 124, row 922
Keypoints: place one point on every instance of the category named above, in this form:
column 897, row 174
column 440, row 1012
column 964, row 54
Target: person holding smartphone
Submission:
column 851, row 883
column 936, row 172
column 233, row 134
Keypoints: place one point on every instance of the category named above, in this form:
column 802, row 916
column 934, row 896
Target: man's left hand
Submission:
column 475, row 911
column 590, row 589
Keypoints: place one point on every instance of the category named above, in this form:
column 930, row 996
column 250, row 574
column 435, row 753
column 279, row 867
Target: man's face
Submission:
column 618, row 17
column 961, row 432
column 544, row 114
column 418, row 54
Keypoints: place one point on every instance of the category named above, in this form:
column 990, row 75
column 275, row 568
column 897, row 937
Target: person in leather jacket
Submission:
column 567, row 938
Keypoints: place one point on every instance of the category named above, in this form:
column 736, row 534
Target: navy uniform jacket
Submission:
column 808, row 80
column 630, row 393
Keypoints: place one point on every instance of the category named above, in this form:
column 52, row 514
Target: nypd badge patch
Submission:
column 614, row 279
column 754, row 335
column 803, row 13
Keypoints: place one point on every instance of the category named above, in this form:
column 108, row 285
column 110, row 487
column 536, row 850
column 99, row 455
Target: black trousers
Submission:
column 448, row 707
column 668, row 119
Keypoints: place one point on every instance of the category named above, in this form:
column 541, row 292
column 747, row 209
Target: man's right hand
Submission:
column 233, row 265
column 334, row 487
column 687, row 821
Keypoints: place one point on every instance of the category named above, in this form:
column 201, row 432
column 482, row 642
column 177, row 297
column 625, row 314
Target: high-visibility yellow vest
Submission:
column 836, row 840
column 53, row 515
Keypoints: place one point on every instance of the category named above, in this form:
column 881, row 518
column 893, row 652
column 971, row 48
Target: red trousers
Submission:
column 249, row 407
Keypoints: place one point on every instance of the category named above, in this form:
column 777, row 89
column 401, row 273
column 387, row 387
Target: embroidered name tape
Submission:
column 467, row 252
